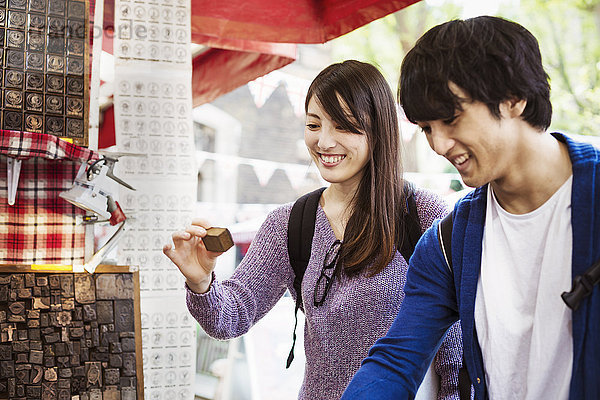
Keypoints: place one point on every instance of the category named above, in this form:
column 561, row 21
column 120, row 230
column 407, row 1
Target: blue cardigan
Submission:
column 435, row 298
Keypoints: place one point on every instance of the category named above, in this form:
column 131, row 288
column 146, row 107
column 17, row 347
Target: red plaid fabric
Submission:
column 40, row 228
column 24, row 145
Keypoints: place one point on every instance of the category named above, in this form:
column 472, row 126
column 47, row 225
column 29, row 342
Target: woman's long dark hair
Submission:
column 375, row 229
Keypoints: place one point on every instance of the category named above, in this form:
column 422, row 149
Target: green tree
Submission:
column 569, row 36
column 568, row 32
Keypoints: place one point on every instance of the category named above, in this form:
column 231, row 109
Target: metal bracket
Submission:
column 13, row 172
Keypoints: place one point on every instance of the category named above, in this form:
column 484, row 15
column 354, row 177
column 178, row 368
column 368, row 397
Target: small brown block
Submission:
column 17, row 307
column 218, row 239
column 128, row 344
column 16, row 318
column 17, row 281
column 41, row 303
column 129, row 366
column 7, row 369
column 37, row 373
column 68, row 303
column 35, row 334
column 25, row 293
column 5, row 352
column 29, row 280
column 33, row 323
column 63, row 362
column 111, row 376
column 49, row 390
column 128, row 393
column 35, row 344
column 42, row 280
column 111, row 393
column 22, row 376
column 66, row 285
column 85, row 291
column 76, row 332
column 36, row 357
column 93, row 373
column 115, row 361
column 54, row 281
column 21, row 346
column 51, row 374
column 34, row 392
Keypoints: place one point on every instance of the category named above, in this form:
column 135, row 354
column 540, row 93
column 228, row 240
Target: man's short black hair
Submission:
column 490, row 58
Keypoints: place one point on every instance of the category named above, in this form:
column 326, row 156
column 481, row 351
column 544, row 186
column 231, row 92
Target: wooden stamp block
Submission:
column 218, row 239
column 85, row 291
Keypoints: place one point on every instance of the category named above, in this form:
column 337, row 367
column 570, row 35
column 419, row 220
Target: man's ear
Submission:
column 513, row 108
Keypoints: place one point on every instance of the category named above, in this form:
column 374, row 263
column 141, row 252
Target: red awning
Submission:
column 298, row 21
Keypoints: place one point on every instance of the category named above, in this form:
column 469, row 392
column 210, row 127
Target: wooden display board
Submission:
column 44, row 74
column 65, row 333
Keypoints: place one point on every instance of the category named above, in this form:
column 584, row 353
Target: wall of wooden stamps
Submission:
column 44, row 75
column 70, row 334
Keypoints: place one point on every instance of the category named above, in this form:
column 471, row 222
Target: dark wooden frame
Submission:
column 112, row 269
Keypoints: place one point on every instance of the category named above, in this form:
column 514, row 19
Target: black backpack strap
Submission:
column 412, row 225
column 445, row 240
column 301, row 228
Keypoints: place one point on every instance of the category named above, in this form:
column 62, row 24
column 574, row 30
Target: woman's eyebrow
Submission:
column 313, row 115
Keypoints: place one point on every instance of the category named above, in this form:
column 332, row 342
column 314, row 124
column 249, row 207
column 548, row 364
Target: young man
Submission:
column 479, row 92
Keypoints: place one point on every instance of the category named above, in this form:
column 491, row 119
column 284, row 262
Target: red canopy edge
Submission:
column 288, row 22
column 236, row 62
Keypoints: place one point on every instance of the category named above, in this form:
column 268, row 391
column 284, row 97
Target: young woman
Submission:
column 353, row 137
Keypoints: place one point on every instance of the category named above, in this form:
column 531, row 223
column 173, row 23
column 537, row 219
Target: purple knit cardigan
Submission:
column 337, row 334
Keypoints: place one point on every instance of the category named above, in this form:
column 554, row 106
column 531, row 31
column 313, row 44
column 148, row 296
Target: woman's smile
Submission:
column 331, row 160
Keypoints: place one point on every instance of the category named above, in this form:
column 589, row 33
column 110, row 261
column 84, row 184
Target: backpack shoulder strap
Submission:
column 412, row 224
column 445, row 240
column 301, row 229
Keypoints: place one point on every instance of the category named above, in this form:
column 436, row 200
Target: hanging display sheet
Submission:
column 65, row 333
column 45, row 73
column 153, row 127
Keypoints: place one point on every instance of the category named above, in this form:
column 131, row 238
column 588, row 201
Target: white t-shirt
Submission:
column 523, row 326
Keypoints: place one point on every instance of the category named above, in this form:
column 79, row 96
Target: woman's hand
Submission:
column 191, row 257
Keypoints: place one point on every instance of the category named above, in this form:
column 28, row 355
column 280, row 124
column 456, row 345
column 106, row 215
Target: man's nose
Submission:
column 440, row 142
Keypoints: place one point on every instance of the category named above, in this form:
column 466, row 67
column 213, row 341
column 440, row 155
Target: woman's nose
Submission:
column 326, row 138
